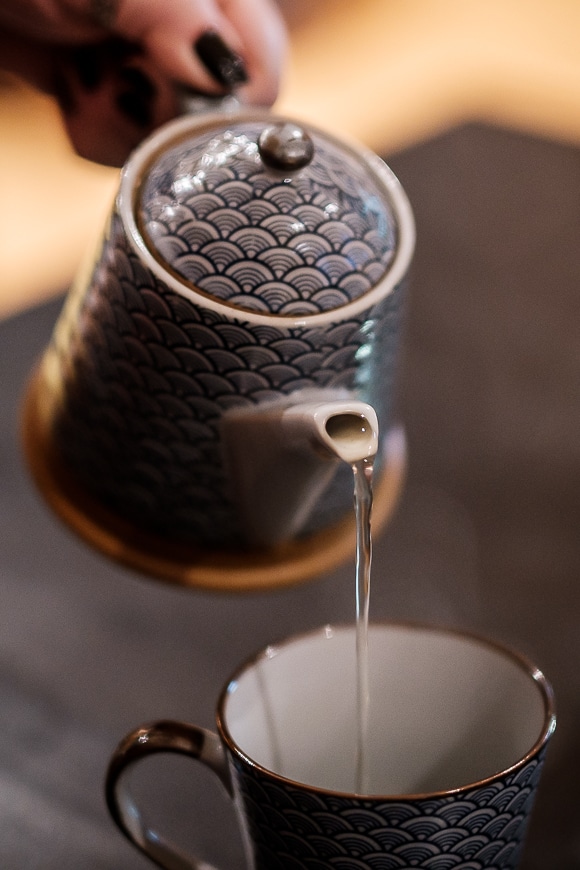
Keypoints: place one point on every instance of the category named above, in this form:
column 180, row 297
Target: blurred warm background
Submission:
column 388, row 72
column 476, row 105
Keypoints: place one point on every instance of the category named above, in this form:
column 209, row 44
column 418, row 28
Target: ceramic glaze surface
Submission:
column 288, row 244
column 147, row 376
column 223, row 284
column 473, row 818
column 295, row 828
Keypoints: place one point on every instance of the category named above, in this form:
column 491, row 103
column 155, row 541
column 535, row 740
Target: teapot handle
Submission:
column 163, row 736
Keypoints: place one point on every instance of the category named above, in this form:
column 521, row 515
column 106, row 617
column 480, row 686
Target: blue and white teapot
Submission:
column 248, row 288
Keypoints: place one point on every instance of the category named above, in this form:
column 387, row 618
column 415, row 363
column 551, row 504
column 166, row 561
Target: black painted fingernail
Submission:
column 138, row 82
column 89, row 67
column 135, row 101
column 221, row 62
column 135, row 109
column 63, row 91
column 93, row 63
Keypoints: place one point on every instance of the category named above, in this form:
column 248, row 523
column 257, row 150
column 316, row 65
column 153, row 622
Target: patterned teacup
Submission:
column 457, row 732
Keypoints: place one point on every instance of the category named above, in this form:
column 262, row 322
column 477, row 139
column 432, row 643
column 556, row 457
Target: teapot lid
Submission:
column 263, row 215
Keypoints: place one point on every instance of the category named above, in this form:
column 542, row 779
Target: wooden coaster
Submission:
column 180, row 563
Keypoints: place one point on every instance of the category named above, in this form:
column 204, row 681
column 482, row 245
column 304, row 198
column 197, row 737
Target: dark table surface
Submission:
column 486, row 535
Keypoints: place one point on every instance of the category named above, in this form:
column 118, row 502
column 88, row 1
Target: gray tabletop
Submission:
column 486, row 535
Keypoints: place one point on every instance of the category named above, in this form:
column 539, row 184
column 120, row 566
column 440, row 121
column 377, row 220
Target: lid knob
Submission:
column 285, row 146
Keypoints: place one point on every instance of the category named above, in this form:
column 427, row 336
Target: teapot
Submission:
column 245, row 300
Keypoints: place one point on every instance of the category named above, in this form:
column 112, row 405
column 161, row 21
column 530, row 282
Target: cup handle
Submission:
column 163, row 736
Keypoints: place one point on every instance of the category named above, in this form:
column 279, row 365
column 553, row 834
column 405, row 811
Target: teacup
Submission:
column 457, row 732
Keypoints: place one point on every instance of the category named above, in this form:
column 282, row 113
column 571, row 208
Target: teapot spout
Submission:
column 346, row 430
column 281, row 458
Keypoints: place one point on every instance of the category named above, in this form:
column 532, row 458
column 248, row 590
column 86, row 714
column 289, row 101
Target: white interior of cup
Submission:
column 446, row 710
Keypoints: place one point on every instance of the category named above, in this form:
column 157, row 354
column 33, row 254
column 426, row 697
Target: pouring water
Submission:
column 355, row 441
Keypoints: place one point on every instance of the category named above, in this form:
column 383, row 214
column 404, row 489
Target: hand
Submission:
column 117, row 67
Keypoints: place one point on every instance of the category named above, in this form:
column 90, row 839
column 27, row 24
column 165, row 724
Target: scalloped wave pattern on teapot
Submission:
column 288, row 244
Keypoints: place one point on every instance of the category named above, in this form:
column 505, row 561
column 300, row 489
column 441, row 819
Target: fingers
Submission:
column 251, row 34
column 169, row 31
column 111, row 96
column 113, row 65
column 262, row 34
column 211, row 45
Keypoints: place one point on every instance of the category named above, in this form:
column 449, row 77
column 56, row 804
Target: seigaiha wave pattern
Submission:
column 146, row 376
column 297, row 244
column 295, row 828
